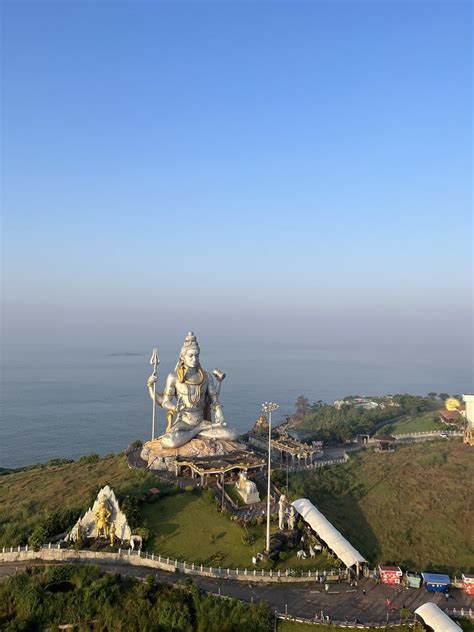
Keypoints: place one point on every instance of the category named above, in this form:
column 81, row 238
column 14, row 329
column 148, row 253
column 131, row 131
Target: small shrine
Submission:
column 103, row 520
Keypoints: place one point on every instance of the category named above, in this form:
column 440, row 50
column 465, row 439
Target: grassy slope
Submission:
column 413, row 506
column 28, row 495
column 416, row 423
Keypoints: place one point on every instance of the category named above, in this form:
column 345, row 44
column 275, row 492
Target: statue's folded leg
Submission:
column 179, row 437
column 218, row 432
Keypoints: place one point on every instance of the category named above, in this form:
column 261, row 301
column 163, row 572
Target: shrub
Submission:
column 189, row 488
column 89, row 458
column 248, row 539
column 134, row 446
column 259, row 520
column 283, row 555
column 144, row 532
column 37, row 538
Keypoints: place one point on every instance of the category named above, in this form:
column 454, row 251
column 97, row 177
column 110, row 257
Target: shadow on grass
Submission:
column 345, row 514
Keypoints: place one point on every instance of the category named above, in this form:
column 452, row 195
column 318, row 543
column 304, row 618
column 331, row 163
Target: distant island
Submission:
column 127, row 354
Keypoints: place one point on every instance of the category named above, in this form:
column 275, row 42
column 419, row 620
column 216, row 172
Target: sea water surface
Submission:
column 63, row 403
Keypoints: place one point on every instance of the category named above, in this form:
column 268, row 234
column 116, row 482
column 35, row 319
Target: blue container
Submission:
column 436, row 582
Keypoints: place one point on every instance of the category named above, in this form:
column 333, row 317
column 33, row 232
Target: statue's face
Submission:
column 191, row 358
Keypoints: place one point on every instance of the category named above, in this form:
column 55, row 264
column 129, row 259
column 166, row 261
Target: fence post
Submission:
column 153, row 557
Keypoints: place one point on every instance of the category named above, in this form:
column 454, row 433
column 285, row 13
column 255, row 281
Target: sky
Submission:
column 278, row 171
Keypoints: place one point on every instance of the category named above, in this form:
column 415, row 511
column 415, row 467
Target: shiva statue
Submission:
column 189, row 396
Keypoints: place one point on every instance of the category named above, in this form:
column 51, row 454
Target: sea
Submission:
column 69, row 401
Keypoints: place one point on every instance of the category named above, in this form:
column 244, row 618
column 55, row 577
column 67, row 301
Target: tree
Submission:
column 443, row 396
column 302, row 405
column 37, row 538
column 432, row 395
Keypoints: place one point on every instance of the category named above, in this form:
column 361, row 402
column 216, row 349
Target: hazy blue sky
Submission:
column 284, row 170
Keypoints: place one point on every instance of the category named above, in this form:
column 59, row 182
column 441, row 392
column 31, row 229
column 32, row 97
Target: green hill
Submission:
column 413, row 507
column 29, row 496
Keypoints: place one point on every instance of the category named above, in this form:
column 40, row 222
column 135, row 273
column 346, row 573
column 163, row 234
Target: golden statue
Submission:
column 102, row 518
column 112, row 531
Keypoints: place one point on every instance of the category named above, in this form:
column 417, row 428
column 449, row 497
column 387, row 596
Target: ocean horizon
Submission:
column 70, row 401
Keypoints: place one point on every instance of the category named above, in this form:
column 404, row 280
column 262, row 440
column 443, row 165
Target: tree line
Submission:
column 46, row 597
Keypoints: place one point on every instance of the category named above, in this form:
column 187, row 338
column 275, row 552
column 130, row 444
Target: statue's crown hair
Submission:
column 190, row 342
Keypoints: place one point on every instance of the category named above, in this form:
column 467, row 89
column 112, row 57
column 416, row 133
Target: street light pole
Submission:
column 269, row 408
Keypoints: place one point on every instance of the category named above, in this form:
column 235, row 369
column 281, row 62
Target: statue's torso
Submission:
column 190, row 395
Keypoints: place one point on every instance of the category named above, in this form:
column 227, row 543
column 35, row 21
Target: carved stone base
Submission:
column 159, row 458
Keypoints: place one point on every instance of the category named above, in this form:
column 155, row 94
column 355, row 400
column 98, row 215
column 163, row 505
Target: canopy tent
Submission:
column 436, row 619
column 329, row 534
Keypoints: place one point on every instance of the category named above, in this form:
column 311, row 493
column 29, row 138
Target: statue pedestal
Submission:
column 159, row 458
column 248, row 497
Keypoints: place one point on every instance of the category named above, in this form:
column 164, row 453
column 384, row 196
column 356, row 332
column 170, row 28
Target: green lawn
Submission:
column 416, row 423
column 190, row 528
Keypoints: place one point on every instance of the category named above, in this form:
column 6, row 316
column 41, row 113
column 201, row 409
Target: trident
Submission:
column 154, row 361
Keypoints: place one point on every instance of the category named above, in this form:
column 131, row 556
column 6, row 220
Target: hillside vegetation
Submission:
column 330, row 424
column 82, row 595
column 412, row 507
column 58, row 492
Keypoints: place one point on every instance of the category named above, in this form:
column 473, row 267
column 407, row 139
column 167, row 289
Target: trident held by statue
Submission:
column 154, row 361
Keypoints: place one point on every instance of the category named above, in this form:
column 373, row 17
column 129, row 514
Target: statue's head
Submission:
column 189, row 355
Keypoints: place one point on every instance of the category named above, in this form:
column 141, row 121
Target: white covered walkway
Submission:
column 433, row 616
column 329, row 534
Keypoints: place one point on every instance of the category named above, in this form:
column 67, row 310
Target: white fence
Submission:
column 428, row 433
column 129, row 556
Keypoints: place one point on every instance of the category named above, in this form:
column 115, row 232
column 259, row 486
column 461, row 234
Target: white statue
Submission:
column 301, row 555
column 292, row 518
column 189, row 396
column 312, row 552
column 247, row 489
column 282, row 506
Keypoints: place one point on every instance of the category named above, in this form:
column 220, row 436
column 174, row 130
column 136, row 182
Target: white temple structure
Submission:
column 87, row 525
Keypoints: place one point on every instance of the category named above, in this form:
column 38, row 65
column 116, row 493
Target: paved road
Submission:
column 341, row 602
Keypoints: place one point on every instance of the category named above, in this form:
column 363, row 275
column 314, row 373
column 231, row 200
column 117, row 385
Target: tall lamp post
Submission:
column 269, row 408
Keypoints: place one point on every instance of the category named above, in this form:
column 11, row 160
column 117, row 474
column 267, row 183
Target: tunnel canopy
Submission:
column 436, row 619
column 328, row 533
